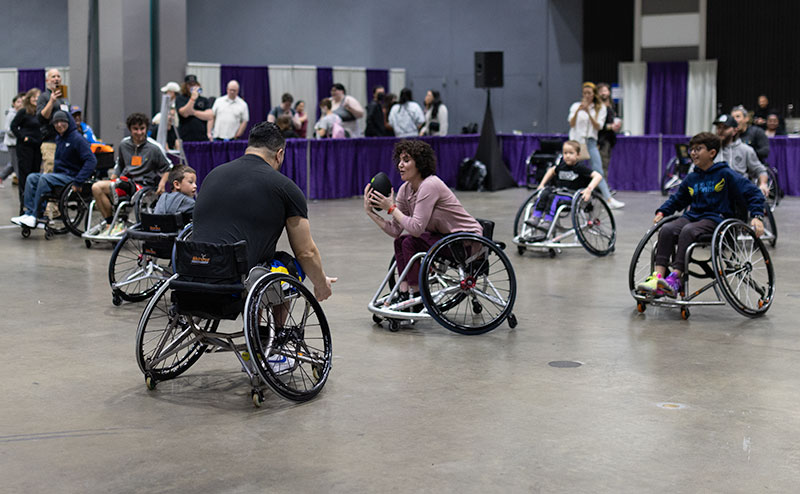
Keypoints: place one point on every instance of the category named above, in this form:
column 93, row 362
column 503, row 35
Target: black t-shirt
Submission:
column 608, row 135
column 246, row 199
column 192, row 128
column 573, row 177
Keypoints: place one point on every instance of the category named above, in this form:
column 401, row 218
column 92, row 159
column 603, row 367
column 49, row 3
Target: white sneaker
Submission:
column 280, row 364
column 28, row 220
column 615, row 204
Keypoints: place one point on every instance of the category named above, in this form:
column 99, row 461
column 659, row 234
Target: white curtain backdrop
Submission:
column 397, row 80
column 701, row 96
column 354, row 80
column 304, row 87
column 633, row 82
column 280, row 81
column 8, row 89
column 208, row 75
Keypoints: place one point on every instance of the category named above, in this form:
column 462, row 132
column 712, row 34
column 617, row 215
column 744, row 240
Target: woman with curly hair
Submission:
column 425, row 208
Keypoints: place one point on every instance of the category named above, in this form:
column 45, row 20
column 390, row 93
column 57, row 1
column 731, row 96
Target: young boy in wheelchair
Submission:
column 709, row 195
column 184, row 186
column 140, row 162
column 568, row 176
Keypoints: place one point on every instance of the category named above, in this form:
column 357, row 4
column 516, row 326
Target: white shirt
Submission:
column 405, row 119
column 583, row 126
column 228, row 115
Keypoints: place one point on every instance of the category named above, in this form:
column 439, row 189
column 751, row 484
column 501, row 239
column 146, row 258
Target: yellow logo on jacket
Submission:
column 720, row 185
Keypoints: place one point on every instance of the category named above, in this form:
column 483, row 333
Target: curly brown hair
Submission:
column 420, row 151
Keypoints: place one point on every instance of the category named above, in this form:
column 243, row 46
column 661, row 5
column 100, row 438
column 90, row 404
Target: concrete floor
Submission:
column 418, row 410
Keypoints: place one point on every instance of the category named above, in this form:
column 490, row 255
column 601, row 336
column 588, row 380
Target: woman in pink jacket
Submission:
column 425, row 208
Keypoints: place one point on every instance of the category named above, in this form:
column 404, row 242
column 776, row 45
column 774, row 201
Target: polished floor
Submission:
column 705, row 405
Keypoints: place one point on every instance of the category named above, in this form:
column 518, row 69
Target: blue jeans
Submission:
column 39, row 185
column 597, row 165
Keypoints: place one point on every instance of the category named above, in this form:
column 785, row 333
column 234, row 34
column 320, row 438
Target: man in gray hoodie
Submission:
column 739, row 156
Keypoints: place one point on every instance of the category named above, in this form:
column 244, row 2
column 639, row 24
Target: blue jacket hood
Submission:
column 74, row 155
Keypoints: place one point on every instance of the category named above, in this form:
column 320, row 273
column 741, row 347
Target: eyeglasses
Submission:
column 696, row 149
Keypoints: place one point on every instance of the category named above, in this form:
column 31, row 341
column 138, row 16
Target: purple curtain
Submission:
column 253, row 88
column 324, row 83
column 666, row 97
column 376, row 77
column 784, row 156
column 29, row 79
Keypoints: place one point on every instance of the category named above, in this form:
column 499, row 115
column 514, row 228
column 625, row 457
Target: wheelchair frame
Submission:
column 737, row 261
column 557, row 236
column 137, row 202
column 454, row 287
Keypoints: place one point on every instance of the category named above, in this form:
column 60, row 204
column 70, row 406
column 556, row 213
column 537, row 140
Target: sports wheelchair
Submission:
column 591, row 222
column 135, row 201
column 681, row 165
column 736, row 262
column 142, row 259
column 284, row 343
column 64, row 210
column 466, row 283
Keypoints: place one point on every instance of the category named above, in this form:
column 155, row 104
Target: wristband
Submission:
column 391, row 209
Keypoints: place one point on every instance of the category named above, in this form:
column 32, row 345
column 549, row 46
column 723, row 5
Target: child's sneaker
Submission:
column 651, row 284
column 118, row 230
column 671, row 285
column 533, row 222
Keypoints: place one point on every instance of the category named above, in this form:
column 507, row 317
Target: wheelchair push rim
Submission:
column 594, row 224
column 467, row 284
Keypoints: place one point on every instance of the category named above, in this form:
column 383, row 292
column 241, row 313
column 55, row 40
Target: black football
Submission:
column 381, row 183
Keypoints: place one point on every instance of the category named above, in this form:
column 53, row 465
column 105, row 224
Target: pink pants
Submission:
column 405, row 246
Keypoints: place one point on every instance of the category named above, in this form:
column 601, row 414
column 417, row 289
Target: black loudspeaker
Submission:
column 488, row 69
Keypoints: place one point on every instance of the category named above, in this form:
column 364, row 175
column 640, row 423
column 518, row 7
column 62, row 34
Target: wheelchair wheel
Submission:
column 743, row 268
column 134, row 275
column 671, row 178
column 524, row 212
column 643, row 260
column 144, row 201
column 167, row 343
column 594, row 224
column 770, row 228
column 467, row 284
column 288, row 336
column 775, row 191
column 74, row 208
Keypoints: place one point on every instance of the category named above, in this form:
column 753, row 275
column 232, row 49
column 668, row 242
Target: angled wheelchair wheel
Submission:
column 525, row 212
column 643, row 260
column 144, row 201
column 775, row 191
column 743, row 268
column 133, row 273
column 288, row 336
column 594, row 224
column 674, row 173
column 74, row 208
column 467, row 284
column 770, row 228
column 168, row 343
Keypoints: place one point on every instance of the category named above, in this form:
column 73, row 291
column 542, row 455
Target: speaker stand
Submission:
column 489, row 153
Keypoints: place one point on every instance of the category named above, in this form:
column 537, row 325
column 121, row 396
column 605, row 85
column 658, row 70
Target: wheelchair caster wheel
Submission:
column 477, row 308
column 685, row 314
column 26, row 232
column 88, row 243
column 48, row 234
column 394, row 325
column 116, row 300
column 521, row 250
column 641, row 307
column 512, row 321
column 150, row 382
column 376, row 319
column 552, row 253
column 258, row 398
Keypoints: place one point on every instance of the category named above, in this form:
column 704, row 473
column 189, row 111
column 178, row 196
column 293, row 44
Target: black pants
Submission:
column 29, row 160
column 683, row 232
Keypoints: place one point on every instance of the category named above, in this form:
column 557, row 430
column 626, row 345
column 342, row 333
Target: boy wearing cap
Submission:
column 73, row 162
column 738, row 155
column 85, row 129
column 194, row 111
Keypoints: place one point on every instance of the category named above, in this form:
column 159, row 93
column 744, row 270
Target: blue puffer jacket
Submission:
column 714, row 194
column 74, row 156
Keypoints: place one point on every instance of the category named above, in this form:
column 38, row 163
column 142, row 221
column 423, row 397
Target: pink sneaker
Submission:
column 671, row 285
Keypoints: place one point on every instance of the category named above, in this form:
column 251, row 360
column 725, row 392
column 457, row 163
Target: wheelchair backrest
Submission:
column 164, row 223
column 211, row 263
column 488, row 227
column 682, row 153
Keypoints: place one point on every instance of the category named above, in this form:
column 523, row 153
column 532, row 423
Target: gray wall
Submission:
column 31, row 39
column 434, row 41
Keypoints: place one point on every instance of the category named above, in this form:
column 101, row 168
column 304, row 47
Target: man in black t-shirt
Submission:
column 249, row 199
column 194, row 111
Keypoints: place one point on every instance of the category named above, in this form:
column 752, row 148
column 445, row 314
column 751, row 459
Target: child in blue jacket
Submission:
column 709, row 195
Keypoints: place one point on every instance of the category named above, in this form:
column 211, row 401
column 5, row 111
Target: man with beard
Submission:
column 750, row 134
column 739, row 156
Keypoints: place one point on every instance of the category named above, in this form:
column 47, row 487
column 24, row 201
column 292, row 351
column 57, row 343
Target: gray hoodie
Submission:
column 742, row 158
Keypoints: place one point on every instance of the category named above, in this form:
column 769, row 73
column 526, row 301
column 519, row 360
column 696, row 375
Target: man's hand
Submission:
column 659, row 217
column 323, row 292
column 76, row 188
column 54, row 95
column 764, row 189
column 758, row 226
column 195, row 92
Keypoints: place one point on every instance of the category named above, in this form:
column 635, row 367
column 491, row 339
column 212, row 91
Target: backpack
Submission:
column 471, row 174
